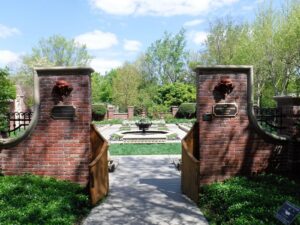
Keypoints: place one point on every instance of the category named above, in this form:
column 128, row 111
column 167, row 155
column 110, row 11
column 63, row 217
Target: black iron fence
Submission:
column 274, row 119
column 18, row 121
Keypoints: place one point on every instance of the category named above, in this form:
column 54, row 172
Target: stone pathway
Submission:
column 145, row 190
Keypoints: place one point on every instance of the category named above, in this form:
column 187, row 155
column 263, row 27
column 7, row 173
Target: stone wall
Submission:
column 58, row 148
column 231, row 146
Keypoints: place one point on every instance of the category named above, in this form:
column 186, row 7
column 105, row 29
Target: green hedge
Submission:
column 186, row 110
column 248, row 201
column 98, row 111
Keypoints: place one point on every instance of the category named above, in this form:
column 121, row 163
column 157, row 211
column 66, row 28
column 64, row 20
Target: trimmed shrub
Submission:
column 186, row 110
column 98, row 111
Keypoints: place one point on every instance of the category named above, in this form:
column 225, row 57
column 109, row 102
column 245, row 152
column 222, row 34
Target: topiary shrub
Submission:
column 186, row 110
column 98, row 111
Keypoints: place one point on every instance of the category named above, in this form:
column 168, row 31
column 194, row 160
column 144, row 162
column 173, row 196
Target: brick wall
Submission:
column 231, row 146
column 111, row 114
column 58, row 148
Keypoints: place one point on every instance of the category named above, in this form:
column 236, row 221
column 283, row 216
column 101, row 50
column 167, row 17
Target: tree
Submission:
column 126, row 86
column 58, row 51
column 102, row 87
column 175, row 94
column 288, row 40
column 7, row 92
column 96, row 81
column 165, row 60
column 270, row 44
column 53, row 51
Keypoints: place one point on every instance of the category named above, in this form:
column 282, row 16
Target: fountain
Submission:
column 140, row 132
column 143, row 124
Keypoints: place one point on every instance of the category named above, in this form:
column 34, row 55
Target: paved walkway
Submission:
column 145, row 190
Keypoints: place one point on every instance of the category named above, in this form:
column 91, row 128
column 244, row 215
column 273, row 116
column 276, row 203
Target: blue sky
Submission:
column 113, row 30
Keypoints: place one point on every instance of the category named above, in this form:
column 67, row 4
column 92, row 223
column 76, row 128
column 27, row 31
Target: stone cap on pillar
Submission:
column 63, row 70
column 222, row 68
column 287, row 100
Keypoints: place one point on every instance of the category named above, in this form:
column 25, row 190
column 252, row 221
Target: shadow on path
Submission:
column 145, row 190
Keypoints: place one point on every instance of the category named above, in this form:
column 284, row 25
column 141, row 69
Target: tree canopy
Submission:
column 52, row 51
column 57, row 51
column 270, row 44
column 7, row 93
column 165, row 60
column 125, row 86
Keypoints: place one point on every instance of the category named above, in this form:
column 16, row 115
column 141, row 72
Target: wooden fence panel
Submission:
column 99, row 179
column 190, row 165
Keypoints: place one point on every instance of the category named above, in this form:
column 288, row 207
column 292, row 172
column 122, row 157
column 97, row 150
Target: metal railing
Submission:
column 273, row 119
column 18, row 121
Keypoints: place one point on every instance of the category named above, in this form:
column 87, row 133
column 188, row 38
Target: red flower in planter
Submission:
column 223, row 88
column 61, row 89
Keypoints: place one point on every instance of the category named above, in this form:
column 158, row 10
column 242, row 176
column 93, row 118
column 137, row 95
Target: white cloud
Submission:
column 158, row 7
column 8, row 31
column 193, row 23
column 104, row 65
column 132, row 45
column 7, row 57
column 97, row 39
column 199, row 37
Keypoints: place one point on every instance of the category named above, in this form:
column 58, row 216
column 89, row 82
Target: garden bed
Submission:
column 248, row 201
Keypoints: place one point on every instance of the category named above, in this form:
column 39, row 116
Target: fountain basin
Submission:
column 144, row 137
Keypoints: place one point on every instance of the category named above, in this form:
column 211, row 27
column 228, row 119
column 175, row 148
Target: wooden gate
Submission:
column 98, row 168
column 190, row 168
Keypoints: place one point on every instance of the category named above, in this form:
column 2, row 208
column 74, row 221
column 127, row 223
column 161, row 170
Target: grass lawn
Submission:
column 248, row 201
column 32, row 199
column 145, row 149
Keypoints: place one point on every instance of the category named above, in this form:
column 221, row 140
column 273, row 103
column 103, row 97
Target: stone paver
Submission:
column 107, row 131
column 145, row 190
column 175, row 129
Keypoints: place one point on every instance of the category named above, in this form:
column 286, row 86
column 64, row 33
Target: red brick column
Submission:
column 110, row 113
column 130, row 112
column 290, row 107
column 58, row 148
column 229, row 145
column 174, row 110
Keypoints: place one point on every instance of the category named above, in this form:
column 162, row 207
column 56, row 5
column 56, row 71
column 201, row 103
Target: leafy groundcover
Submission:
column 32, row 199
column 248, row 201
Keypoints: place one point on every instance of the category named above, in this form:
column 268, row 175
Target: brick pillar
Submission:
column 56, row 147
column 110, row 113
column 229, row 145
column 130, row 112
column 144, row 114
column 290, row 108
column 174, row 110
